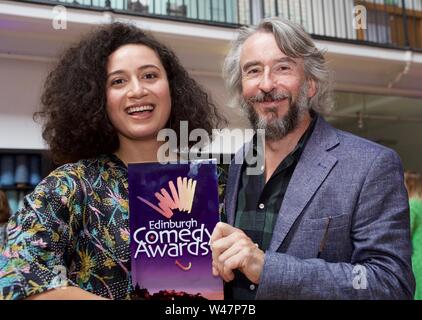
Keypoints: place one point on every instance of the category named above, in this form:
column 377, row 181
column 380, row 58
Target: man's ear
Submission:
column 311, row 88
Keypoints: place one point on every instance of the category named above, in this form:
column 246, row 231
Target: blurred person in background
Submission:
column 413, row 182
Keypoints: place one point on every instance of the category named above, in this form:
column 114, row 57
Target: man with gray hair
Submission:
column 327, row 218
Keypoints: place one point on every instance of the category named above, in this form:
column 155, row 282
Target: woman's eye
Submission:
column 117, row 81
column 150, row 76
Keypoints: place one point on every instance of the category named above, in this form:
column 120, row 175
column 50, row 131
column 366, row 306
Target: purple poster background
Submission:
column 163, row 273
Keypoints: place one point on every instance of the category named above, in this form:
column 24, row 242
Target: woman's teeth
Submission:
column 132, row 110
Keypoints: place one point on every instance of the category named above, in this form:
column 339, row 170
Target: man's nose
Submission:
column 266, row 83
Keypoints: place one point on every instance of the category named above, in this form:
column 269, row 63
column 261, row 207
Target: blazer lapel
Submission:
column 312, row 169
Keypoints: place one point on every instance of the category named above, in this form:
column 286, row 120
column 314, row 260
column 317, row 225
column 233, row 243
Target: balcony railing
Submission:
column 388, row 23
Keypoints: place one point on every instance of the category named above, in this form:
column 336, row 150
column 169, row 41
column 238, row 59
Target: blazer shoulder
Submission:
column 353, row 144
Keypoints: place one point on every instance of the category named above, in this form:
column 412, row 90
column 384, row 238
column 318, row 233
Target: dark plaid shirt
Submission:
column 258, row 205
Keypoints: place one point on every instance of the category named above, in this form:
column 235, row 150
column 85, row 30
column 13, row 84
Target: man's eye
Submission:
column 252, row 71
column 284, row 68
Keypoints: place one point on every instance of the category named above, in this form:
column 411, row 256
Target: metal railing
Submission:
column 389, row 23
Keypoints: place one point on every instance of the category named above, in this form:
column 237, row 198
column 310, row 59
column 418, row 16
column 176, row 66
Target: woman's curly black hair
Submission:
column 76, row 124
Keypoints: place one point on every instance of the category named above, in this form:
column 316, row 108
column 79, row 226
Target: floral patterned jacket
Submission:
column 72, row 230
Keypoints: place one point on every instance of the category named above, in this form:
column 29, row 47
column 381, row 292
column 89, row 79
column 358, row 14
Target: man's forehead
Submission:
column 262, row 47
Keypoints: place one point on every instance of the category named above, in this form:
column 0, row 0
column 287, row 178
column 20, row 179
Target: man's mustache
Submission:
column 270, row 97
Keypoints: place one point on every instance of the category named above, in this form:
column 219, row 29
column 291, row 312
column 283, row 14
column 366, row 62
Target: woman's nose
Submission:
column 136, row 89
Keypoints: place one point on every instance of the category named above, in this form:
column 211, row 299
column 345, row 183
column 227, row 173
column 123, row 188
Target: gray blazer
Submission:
column 367, row 250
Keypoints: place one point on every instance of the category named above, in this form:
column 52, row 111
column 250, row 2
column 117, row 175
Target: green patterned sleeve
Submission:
column 38, row 240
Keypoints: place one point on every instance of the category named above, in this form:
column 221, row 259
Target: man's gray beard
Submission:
column 276, row 129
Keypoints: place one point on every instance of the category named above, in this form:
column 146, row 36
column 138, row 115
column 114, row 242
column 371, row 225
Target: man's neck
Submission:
column 276, row 151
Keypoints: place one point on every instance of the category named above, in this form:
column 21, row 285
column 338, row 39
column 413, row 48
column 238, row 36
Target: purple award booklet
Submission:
column 173, row 211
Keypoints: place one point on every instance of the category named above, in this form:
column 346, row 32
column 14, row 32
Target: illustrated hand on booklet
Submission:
column 173, row 211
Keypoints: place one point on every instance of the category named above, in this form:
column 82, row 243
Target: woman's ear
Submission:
column 311, row 88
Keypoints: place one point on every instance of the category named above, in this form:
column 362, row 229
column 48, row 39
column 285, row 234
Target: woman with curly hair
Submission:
column 103, row 106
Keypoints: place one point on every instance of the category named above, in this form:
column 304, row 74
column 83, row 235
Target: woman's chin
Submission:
column 140, row 135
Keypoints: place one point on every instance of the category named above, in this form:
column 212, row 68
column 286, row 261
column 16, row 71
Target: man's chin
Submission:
column 269, row 120
column 273, row 114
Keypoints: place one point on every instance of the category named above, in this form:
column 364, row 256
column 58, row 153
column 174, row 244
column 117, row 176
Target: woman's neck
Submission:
column 138, row 151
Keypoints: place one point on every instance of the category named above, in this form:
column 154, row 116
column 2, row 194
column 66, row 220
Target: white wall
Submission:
column 20, row 87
